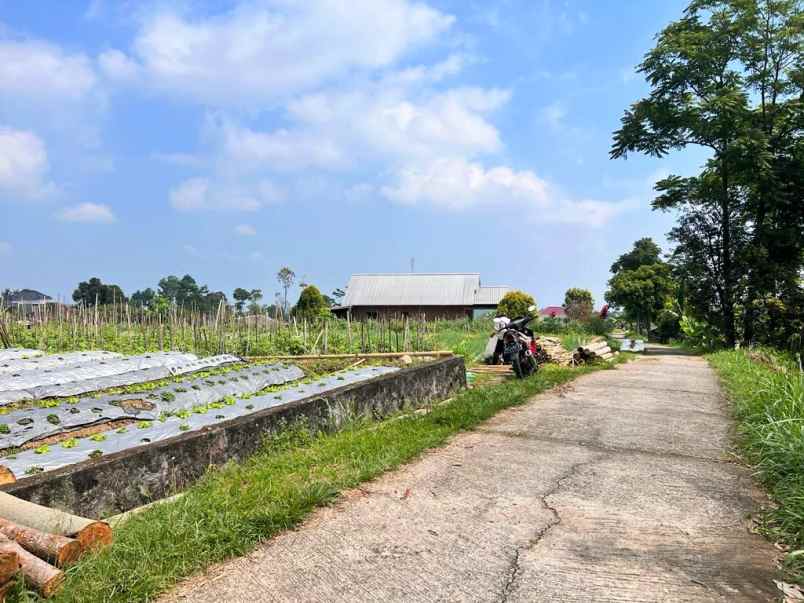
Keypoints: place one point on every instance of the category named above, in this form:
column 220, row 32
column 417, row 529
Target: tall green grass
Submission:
column 234, row 508
column 767, row 390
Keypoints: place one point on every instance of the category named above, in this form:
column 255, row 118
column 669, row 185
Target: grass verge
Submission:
column 229, row 511
column 767, row 390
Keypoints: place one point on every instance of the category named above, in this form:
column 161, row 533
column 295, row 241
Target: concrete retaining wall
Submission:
column 119, row 482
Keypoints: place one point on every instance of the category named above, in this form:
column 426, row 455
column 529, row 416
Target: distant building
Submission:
column 419, row 295
column 26, row 299
column 553, row 312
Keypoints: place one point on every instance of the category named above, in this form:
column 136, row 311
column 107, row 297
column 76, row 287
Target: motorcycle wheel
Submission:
column 534, row 366
column 516, row 365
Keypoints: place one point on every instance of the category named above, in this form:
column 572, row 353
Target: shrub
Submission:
column 515, row 303
column 311, row 304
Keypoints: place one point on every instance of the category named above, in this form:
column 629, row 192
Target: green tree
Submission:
column 241, row 296
column 94, row 291
column 641, row 292
column 144, row 298
column 644, row 253
column 515, row 303
column 311, row 303
column 578, row 304
column 727, row 77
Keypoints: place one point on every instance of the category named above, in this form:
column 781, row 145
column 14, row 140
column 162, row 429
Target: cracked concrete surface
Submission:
column 620, row 487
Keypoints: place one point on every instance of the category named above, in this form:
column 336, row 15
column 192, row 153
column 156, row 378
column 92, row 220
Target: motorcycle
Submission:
column 514, row 343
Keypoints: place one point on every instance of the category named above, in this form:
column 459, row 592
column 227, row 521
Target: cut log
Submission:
column 91, row 534
column 46, row 578
column 60, row 550
column 6, row 476
column 9, row 565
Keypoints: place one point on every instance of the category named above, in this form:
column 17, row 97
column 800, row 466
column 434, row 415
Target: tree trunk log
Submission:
column 6, row 475
column 57, row 549
column 91, row 534
column 9, row 565
column 46, row 578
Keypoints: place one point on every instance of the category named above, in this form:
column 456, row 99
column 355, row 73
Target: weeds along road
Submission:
column 619, row 487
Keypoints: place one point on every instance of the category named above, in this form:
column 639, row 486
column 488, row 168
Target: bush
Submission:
column 311, row 304
column 598, row 326
column 515, row 303
column 668, row 326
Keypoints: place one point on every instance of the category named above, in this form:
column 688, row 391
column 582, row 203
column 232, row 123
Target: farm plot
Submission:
column 61, row 433
column 75, row 376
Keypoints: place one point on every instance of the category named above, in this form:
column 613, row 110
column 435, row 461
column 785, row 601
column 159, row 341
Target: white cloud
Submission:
column 45, row 87
column 23, row 165
column 89, row 213
column 38, row 70
column 456, row 184
column 245, row 230
column 5, row 248
column 196, row 194
column 259, row 52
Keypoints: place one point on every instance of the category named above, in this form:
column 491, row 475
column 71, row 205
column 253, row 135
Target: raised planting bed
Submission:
column 119, row 481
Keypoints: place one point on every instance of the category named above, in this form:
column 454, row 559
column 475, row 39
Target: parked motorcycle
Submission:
column 514, row 343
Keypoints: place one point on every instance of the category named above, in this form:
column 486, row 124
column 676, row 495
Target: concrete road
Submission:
column 618, row 487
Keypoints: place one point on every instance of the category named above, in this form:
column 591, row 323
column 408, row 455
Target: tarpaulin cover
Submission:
column 144, row 432
column 103, row 374
column 56, row 361
column 28, row 424
column 17, row 353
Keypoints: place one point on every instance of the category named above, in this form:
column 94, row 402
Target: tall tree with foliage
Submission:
column 94, row 291
column 578, row 304
column 727, row 77
column 311, row 303
column 644, row 253
column 641, row 292
column 286, row 277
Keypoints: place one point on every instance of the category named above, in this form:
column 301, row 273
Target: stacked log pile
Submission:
column 598, row 350
column 555, row 351
column 38, row 543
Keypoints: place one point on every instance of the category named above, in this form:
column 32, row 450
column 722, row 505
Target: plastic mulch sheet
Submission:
column 49, row 363
column 28, row 424
column 18, row 354
column 102, row 374
column 143, row 432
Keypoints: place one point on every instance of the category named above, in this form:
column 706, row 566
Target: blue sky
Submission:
column 228, row 139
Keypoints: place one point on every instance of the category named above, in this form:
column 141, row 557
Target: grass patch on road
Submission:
column 767, row 390
column 232, row 509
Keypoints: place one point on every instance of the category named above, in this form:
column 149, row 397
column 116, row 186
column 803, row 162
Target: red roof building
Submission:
column 553, row 312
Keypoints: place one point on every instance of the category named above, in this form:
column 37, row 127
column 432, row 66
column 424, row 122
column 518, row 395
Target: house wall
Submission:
column 399, row 312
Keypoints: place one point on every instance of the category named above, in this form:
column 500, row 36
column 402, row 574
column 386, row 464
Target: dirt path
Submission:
column 620, row 488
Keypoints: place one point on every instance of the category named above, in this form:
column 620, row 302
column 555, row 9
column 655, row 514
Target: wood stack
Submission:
column 39, row 542
column 597, row 350
column 555, row 351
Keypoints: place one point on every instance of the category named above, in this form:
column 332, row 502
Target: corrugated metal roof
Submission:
column 490, row 295
column 412, row 289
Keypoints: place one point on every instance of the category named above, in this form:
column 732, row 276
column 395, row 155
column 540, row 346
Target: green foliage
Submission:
column 642, row 292
column 578, row 304
column 93, row 292
column 727, row 77
column 311, row 304
column 514, row 304
column 767, row 390
column 644, row 253
column 668, row 325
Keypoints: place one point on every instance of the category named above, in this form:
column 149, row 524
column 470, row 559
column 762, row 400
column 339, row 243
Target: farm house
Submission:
column 428, row 295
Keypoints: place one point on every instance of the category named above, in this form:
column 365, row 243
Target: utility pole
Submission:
column 413, row 264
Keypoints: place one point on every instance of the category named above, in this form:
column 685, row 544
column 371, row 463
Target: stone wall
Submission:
column 119, row 482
